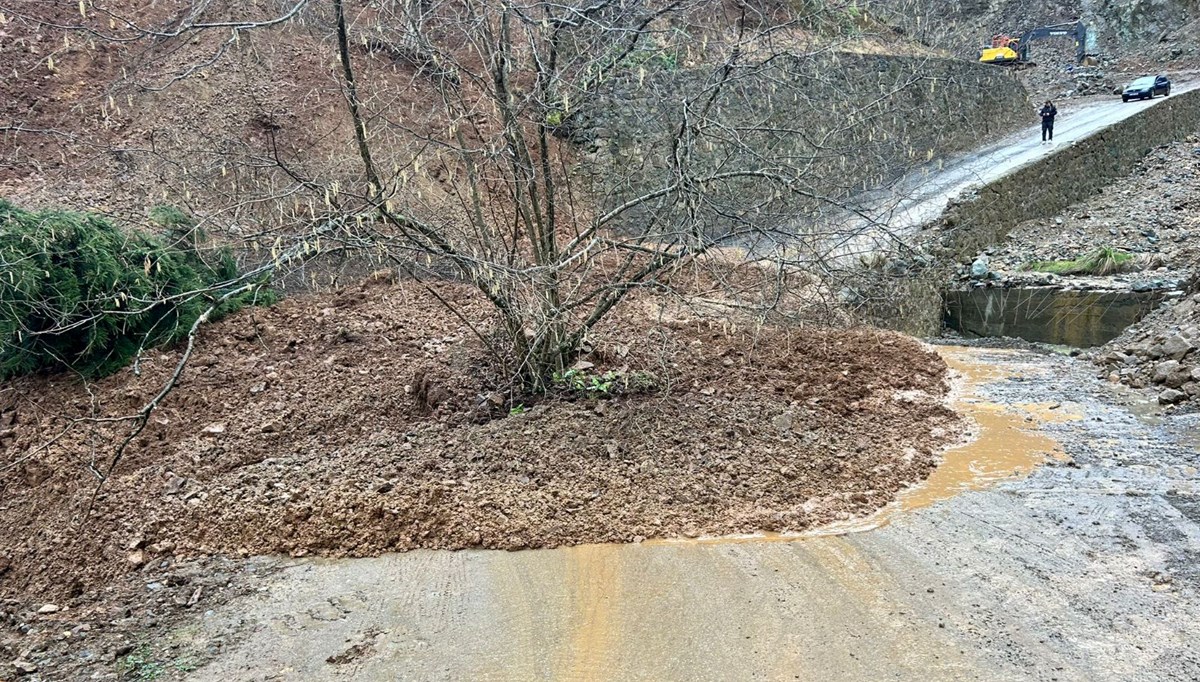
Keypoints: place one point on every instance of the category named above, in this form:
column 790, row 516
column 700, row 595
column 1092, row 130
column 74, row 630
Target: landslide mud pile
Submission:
column 366, row 421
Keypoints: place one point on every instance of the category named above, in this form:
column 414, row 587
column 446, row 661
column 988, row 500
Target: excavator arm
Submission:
column 1075, row 29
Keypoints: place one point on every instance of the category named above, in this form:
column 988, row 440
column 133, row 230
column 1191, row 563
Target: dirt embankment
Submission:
column 349, row 424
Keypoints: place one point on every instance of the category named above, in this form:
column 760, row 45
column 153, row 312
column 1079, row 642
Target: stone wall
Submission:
column 852, row 122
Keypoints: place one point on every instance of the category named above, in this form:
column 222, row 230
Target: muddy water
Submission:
column 831, row 605
column 1006, row 443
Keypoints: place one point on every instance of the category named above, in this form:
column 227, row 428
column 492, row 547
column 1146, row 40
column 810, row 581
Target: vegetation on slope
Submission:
column 79, row 293
column 1103, row 261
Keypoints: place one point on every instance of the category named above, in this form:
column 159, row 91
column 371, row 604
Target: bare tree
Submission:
column 515, row 87
column 555, row 155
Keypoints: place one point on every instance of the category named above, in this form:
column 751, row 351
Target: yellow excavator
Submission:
column 1010, row 50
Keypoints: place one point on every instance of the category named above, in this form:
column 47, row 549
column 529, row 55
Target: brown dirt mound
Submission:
column 348, row 424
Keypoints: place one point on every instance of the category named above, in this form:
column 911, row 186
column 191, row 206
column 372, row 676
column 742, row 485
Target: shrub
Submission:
column 78, row 293
column 580, row 382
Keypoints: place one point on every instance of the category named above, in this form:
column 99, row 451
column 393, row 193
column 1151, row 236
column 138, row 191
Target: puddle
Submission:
column 1006, row 445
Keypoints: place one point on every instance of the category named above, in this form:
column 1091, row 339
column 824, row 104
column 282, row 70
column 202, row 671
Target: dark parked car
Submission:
column 1147, row 87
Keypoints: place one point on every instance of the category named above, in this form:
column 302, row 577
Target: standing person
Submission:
column 1048, row 112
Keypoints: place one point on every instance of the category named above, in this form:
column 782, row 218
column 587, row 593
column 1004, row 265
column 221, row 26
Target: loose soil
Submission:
column 363, row 421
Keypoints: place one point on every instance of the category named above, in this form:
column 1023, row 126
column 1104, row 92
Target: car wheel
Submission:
column 1167, row 93
column 1124, row 99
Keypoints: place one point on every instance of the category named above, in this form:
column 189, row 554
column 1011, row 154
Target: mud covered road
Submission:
column 1086, row 568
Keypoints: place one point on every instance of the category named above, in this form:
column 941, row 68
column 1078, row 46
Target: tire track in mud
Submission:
column 594, row 577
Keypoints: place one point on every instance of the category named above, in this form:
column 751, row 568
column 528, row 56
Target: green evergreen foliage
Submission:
column 79, row 293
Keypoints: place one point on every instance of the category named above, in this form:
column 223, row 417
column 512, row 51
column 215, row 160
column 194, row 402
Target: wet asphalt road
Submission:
column 929, row 189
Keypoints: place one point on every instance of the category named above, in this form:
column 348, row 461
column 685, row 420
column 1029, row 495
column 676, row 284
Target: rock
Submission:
column 25, row 667
column 1171, row 396
column 174, row 485
column 1192, row 389
column 213, row 429
column 783, row 422
column 979, row 269
column 1163, row 370
column 48, row 608
column 137, row 558
column 1178, row 378
column 1177, row 346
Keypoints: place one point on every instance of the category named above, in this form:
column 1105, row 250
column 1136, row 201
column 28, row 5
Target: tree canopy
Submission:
column 79, row 293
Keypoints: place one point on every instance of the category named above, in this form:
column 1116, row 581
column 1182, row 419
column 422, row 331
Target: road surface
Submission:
column 878, row 219
column 1085, row 569
column 930, row 189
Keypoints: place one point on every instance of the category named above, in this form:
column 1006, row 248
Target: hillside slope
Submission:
column 236, row 128
column 1130, row 37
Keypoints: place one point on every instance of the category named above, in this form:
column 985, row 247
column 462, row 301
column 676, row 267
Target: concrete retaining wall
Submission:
column 1074, row 318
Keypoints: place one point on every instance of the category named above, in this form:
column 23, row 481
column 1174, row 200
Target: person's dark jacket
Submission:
column 1048, row 113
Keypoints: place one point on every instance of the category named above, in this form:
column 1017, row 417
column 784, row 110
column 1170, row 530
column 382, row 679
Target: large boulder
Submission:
column 1178, row 378
column 1171, row 396
column 1163, row 370
column 1177, row 346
